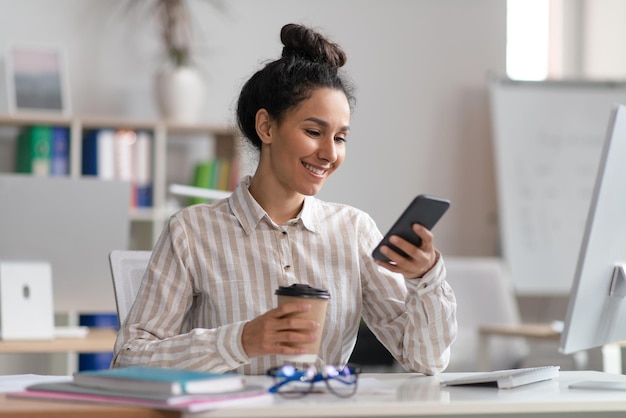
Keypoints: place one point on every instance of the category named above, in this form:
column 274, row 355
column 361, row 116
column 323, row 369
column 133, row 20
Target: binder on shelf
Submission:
column 224, row 172
column 105, row 154
column 202, row 179
column 60, row 151
column 33, row 150
column 122, row 158
column 143, row 169
column 89, row 157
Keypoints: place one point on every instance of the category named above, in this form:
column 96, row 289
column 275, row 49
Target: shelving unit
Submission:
column 146, row 223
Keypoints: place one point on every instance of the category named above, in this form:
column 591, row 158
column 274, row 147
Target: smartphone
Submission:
column 425, row 210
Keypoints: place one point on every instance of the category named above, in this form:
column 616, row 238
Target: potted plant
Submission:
column 174, row 22
column 179, row 83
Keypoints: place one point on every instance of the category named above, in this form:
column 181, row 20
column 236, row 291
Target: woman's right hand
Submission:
column 279, row 331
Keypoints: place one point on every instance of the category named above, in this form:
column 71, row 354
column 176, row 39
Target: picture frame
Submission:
column 37, row 79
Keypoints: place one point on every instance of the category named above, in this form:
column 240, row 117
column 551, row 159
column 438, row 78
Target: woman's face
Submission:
column 309, row 144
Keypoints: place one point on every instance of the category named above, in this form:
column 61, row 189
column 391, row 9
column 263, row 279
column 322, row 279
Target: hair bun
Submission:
column 300, row 41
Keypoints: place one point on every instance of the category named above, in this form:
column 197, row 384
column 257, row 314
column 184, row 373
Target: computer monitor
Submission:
column 71, row 223
column 596, row 313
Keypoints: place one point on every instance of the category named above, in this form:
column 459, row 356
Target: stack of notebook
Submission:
column 154, row 387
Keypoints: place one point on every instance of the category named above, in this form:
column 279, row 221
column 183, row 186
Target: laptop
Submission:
column 26, row 311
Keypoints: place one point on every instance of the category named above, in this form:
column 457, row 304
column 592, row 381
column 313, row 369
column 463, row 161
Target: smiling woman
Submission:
column 300, row 152
column 208, row 300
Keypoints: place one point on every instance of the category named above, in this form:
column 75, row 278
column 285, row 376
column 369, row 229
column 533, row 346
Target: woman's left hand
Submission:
column 421, row 259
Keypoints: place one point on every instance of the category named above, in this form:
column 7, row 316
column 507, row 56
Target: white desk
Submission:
column 611, row 353
column 421, row 396
column 97, row 340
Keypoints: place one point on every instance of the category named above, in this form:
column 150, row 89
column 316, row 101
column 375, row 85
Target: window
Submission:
column 528, row 39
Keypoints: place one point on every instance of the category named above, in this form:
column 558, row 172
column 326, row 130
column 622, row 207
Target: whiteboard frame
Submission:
column 543, row 273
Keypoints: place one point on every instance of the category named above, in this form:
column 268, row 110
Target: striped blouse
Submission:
column 216, row 265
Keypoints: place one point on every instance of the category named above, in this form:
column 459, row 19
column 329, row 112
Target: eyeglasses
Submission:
column 293, row 383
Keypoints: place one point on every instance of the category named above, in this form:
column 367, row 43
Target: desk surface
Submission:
column 422, row 396
column 414, row 396
column 97, row 340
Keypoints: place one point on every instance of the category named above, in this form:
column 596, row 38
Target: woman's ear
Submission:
column 263, row 124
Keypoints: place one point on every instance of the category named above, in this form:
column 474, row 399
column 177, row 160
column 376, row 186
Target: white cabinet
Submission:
column 175, row 148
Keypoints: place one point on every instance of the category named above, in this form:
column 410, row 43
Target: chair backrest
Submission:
column 485, row 296
column 127, row 270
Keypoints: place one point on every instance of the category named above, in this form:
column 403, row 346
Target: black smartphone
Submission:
column 425, row 210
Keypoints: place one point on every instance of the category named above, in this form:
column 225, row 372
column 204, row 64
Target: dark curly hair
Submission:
column 308, row 62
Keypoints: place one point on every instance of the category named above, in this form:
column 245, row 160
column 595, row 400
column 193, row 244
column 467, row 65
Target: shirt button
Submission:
column 284, row 232
column 287, row 267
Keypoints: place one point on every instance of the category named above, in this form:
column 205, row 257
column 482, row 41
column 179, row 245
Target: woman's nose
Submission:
column 328, row 150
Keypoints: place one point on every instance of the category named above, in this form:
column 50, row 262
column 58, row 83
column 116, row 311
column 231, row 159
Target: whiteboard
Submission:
column 548, row 139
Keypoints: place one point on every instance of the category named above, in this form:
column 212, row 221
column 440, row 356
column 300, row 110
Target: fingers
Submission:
column 420, row 259
column 426, row 246
column 279, row 331
column 290, row 309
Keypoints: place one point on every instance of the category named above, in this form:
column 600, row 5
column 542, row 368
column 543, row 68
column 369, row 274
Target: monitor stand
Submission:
column 617, row 291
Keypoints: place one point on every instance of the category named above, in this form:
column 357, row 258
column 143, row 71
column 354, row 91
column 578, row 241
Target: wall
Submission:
column 421, row 123
column 604, row 30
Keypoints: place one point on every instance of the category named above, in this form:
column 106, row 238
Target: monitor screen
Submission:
column 71, row 223
column 596, row 314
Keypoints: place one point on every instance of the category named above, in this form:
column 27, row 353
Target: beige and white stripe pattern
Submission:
column 216, row 266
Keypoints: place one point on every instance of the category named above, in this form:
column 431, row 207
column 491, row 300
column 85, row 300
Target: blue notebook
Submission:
column 160, row 380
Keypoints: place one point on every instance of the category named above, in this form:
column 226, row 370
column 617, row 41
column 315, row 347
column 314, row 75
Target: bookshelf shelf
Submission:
column 170, row 159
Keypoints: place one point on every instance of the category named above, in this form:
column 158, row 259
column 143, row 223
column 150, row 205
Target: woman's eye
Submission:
column 312, row 132
column 340, row 139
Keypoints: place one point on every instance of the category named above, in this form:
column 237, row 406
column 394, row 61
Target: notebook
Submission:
column 506, row 379
column 251, row 395
column 160, row 380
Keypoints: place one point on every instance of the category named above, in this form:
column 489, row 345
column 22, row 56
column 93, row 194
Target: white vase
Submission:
column 180, row 93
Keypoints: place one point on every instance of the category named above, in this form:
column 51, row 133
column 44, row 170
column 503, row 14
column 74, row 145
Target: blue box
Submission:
column 97, row 361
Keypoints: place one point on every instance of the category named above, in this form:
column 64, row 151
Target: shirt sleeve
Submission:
column 160, row 331
column 415, row 319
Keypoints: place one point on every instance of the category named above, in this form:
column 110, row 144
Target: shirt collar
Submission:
column 309, row 214
column 249, row 213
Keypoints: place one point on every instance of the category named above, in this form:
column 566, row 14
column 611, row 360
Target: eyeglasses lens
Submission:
column 293, row 383
column 341, row 382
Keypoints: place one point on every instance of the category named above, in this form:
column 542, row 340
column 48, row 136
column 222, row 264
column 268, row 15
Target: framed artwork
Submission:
column 37, row 79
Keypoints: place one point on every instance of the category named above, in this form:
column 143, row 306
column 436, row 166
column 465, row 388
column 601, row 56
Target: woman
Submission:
column 207, row 299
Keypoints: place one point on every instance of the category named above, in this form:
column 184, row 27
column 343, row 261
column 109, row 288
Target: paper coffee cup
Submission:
column 318, row 298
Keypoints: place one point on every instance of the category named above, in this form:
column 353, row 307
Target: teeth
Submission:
column 317, row 171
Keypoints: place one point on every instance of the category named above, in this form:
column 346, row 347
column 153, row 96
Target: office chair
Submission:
column 485, row 296
column 127, row 269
